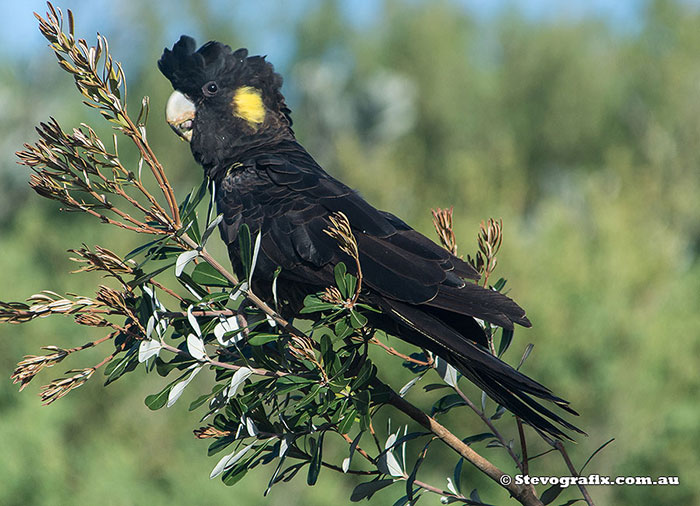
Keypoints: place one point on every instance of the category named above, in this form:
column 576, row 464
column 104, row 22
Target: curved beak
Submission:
column 179, row 113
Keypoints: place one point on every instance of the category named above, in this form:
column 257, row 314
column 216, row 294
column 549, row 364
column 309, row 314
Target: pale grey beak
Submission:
column 179, row 113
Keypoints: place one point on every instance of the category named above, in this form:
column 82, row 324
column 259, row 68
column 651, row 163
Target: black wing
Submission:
column 289, row 198
column 422, row 289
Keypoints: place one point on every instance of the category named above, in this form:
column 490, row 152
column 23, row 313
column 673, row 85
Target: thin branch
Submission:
column 349, row 471
column 572, row 469
column 199, row 312
column 257, row 301
column 165, row 289
column 523, row 445
column 135, row 135
column 521, row 493
column 225, row 365
column 391, row 351
column 492, row 427
column 445, row 493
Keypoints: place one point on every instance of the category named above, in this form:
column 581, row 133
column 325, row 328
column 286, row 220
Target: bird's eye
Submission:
column 210, row 89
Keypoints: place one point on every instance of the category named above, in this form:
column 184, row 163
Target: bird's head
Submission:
column 225, row 102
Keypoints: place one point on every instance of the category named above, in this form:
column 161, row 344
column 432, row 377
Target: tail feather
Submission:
column 507, row 386
column 521, row 404
column 474, row 300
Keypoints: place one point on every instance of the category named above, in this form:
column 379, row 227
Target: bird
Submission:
column 230, row 108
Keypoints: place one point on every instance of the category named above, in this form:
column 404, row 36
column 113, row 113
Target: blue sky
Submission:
column 20, row 24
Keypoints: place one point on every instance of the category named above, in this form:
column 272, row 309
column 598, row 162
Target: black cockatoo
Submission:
column 230, row 108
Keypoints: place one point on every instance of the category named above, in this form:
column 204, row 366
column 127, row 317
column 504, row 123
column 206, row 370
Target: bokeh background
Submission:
column 576, row 122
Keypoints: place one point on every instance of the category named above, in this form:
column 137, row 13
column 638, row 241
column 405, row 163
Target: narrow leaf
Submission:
column 367, row 490
column 315, row 466
column 387, row 463
column 244, row 244
column 528, row 350
column 210, row 228
column 147, row 349
column 451, row 487
column 183, row 259
column 195, row 347
column 256, row 251
column 457, row 476
column 550, row 494
column 205, row 274
column 250, row 426
column 237, row 380
column 261, row 339
column 224, row 326
column 506, row 338
column 157, row 401
column 339, row 273
column 446, row 372
column 193, row 322
column 177, row 390
column 353, row 446
column 595, row 453
column 408, row 385
column 228, row 461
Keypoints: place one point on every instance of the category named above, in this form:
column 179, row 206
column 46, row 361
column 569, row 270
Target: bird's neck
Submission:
column 244, row 155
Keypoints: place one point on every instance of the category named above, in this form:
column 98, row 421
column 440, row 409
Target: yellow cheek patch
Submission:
column 248, row 104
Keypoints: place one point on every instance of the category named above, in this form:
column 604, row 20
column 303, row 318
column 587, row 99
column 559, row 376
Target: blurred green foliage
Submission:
column 585, row 139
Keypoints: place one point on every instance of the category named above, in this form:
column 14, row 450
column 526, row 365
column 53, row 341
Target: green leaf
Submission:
column 143, row 247
column 351, row 284
column 193, row 229
column 326, row 345
column 457, row 475
column 368, row 489
column 261, row 339
column 339, row 273
column 349, row 419
column 361, row 401
column 550, row 494
column 500, row 410
column 234, row 475
column 594, row 454
column 221, row 297
column 205, row 274
column 357, row 320
column 178, row 362
column 146, row 277
column 315, row 466
column 289, row 383
column 245, row 246
column 204, row 398
column 474, row 496
column 310, row 397
column 313, row 304
column 526, row 353
column 157, row 401
column 412, row 477
column 477, row 437
column 190, row 203
column 403, row 501
column 220, row 444
column 186, row 279
column 446, row 403
column 435, row 386
column 366, row 374
column 117, row 368
column 342, row 329
column 506, row 338
column 498, row 286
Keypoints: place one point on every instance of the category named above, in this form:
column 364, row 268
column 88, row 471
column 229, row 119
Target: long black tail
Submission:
column 510, row 388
